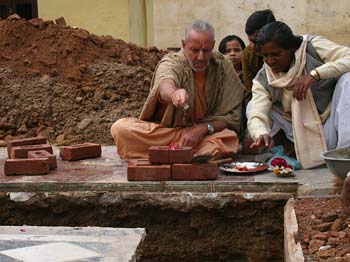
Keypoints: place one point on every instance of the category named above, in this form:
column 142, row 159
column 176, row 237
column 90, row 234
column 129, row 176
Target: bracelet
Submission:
column 314, row 74
column 210, row 129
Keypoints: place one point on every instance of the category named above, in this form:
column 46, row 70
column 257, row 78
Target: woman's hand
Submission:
column 302, row 85
column 263, row 141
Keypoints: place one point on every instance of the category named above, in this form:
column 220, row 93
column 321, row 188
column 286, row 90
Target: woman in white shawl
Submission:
column 303, row 89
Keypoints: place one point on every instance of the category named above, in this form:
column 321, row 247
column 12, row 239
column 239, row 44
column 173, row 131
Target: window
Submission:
column 27, row 9
column 5, row 8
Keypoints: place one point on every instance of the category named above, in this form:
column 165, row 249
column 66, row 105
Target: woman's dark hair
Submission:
column 279, row 33
column 257, row 20
column 229, row 38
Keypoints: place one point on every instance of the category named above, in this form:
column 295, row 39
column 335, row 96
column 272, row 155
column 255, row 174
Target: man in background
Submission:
column 252, row 61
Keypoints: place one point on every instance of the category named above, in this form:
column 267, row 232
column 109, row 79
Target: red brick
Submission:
column 22, row 151
column 200, row 171
column 143, row 171
column 24, row 142
column 28, row 166
column 158, row 154
column 44, row 154
column 164, row 155
column 139, row 162
column 60, row 21
column 80, row 151
column 181, row 155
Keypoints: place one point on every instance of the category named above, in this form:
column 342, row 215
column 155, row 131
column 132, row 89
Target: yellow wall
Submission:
column 162, row 22
column 138, row 22
column 100, row 17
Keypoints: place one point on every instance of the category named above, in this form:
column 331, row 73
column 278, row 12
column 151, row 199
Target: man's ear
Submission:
column 183, row 43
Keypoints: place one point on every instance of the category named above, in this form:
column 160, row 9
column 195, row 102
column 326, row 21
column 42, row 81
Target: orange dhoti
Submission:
column 133, row 138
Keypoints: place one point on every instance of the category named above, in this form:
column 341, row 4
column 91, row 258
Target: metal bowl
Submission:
column 338, row 161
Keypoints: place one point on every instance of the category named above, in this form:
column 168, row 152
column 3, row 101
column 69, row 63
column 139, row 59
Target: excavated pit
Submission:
column 180, row 227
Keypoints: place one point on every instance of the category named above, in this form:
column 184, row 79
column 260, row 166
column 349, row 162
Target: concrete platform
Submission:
column 108, row 173
column 60, row 244
column 101, row 185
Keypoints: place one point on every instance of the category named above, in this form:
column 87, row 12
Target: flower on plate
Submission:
column 278, row 161
column 280, row 167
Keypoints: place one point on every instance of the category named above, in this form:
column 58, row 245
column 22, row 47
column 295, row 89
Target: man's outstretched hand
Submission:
column 345, row 196
column 179, row 98
column 169, row 92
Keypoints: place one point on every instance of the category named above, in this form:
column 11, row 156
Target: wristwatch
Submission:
column 315, row 74
column 210, row 129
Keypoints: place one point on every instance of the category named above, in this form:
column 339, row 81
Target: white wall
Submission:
column 322, row 17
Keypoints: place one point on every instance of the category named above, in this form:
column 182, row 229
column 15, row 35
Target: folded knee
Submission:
column 119, row 128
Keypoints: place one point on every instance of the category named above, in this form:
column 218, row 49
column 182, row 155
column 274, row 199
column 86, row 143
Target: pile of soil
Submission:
column 67, row 84
column 324, row 230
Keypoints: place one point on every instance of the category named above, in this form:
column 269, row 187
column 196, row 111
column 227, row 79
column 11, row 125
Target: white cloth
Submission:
column 336, row 128
column 307, row 130
column 307, row 126
column 336, row 59
column 278, row 122
column 285, row 80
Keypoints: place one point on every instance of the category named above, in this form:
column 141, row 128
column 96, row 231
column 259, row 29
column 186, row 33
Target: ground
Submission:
column 324, row 230
column 67, row 84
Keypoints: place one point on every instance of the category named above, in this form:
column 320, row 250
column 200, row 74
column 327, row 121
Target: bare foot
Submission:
column 345, row 196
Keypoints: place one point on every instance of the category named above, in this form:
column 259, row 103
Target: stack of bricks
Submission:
column 29, row 156
column 34, row 156
column 167, row 163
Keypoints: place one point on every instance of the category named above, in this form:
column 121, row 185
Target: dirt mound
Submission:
column 67, row 84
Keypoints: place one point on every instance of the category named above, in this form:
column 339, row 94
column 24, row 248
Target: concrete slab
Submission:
column 108, row 173
column 60, row 244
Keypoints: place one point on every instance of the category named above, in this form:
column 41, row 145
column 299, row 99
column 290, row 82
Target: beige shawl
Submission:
column 223, row 88
column 309, row 140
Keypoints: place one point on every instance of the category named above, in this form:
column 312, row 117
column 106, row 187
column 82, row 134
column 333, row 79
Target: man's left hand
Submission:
column 302, row 85
column 194, row 135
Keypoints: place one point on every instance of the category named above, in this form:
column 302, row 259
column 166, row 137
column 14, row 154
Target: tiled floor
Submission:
column 58, row 252
column 61, row 244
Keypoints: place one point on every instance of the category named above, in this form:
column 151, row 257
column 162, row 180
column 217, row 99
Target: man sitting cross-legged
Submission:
column 195, row 100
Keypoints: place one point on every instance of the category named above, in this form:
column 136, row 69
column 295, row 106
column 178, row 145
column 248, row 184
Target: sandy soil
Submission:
column 67, row 84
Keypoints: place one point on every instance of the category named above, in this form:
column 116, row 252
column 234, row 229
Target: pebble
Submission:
column 324, row 247
column 323, row 227
column 337, row 225
column 330, row 217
